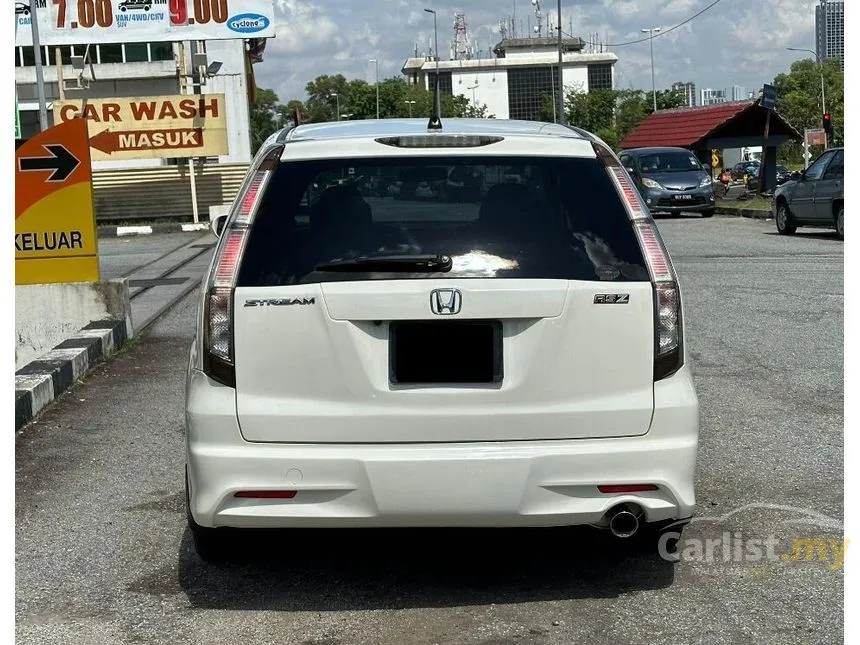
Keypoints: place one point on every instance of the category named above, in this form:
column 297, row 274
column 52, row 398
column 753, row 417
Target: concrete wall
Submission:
column 492, row 89
column 575, row 78
column 47, row 314
column 232, row 82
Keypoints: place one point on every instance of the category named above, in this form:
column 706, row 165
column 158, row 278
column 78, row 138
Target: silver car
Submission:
column 814, row 197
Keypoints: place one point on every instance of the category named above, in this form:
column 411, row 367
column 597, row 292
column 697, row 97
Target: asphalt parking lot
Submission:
column 103, row 556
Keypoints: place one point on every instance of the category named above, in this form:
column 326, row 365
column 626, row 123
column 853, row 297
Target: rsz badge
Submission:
column 279, row 302
column 611, row 298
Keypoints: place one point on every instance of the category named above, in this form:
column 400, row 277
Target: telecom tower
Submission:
column 462, row 49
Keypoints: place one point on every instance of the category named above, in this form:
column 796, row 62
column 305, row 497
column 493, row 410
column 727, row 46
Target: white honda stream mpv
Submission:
column 476, row 325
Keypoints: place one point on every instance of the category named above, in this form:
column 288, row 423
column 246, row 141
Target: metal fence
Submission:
column 162, row 192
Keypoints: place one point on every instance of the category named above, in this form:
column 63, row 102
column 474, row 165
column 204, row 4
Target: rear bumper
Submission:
column 516, row 483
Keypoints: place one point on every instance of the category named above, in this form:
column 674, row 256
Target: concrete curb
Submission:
column 149, row 229
column 41, row 381
column 751, row 213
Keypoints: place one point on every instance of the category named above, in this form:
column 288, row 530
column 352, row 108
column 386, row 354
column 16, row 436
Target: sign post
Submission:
column 17, row 116
column 768, row 101
column 37, row 57
column 55, row 229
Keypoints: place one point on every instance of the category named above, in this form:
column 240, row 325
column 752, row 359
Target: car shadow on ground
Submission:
column 311, row 570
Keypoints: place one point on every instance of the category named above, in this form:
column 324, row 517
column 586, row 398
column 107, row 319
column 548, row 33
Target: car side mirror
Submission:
column 630, row 170
column 218, row 223
column 797, row 176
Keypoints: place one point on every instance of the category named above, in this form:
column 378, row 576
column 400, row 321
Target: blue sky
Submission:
column 737, row 42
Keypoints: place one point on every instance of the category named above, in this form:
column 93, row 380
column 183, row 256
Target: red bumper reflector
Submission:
column 266, row 494
column 626, row 488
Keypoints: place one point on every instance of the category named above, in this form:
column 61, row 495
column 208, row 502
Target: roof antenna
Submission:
column 435, row 122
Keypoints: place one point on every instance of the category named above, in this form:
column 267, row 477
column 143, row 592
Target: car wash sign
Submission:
column 55, row 231
column 75, row 22
column 154, row 127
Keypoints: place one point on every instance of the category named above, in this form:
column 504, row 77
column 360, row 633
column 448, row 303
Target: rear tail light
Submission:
column 265, row 494
column 668, row 327
column 626, row 488
column 218, row 358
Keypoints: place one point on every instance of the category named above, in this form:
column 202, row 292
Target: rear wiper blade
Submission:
column 429, row 263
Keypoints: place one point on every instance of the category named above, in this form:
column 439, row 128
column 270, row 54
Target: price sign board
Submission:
column 73, row 22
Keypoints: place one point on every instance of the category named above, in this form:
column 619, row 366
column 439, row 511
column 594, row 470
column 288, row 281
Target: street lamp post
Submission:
column 374, row 60
column 337, row 98
column 436, row 54
column 410, row 104
column 651, row 31
column 473, row 87
column 560, row 114
column 821, row 73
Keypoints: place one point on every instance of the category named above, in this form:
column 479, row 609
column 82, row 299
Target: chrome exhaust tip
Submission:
column 623, row 523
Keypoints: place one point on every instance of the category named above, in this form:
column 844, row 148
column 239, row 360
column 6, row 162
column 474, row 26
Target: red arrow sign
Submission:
column 109, row 142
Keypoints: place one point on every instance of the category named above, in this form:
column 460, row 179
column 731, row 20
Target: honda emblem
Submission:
column 445, row 302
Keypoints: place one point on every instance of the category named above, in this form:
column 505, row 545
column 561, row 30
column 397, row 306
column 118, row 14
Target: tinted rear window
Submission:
column 546, row 218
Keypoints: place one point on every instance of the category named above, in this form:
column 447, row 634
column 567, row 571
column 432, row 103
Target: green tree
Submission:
column 397, row 99
column 799, row 102
column 266, row 117
column 324, row 94
column 591, row 111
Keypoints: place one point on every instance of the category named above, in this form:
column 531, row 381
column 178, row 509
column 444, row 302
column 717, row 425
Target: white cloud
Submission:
column 734, row 43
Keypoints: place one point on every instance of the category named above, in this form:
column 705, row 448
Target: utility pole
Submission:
column 37, row 54
column 651, row 31
column 560, row 101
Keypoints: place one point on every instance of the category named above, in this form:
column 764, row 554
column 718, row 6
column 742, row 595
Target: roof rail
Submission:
column 282, row 135
column 583, row 133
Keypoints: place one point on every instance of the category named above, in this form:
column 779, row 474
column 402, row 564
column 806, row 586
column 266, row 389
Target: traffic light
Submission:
column 828, row 126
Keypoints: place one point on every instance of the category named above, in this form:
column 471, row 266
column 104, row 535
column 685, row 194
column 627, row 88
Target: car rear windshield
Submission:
column 461, row 217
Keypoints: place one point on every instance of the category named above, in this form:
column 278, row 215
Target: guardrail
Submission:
column 154, row 193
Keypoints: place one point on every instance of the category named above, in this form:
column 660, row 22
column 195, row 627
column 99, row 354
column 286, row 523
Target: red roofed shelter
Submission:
column 722, row 126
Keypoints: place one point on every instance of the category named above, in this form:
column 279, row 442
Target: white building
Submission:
column 513, row 83
column 132, row 70
column 712, row 96
column 739, row 93
column 689, row 91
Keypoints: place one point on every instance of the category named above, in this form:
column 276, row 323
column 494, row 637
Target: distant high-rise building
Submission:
column 689, row 90
column 830, row 30
column 711, row 96
column 738, row 93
